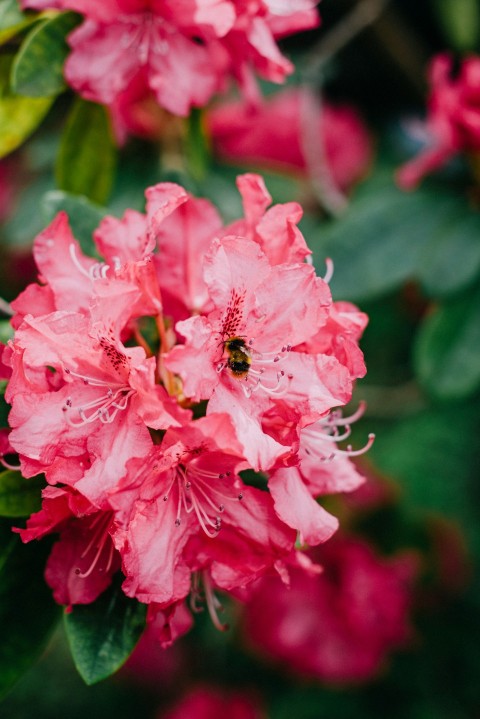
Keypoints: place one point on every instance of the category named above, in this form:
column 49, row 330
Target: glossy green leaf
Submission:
column 102, row 635
column 28, row 613
column 19, row 116
column 19, row 497
column 87, row 156
column 380, row 241
column 84, row 216
column 447, row 351
column 37, row 70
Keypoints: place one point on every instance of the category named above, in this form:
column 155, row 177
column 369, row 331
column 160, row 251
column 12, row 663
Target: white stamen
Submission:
column 329, row 273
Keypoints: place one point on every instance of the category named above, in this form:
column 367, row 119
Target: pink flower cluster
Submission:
column 453, row 120
column 181, row 51
column 338, row 625
column 144, row 384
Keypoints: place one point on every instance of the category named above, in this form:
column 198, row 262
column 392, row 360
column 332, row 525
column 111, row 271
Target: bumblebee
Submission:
column 239, row 359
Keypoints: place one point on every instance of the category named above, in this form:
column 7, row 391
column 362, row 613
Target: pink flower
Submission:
column 270, row 135
column 188, row 487
column 251, row 42
column 82, row 400
column 96, row 396
column 453, row 120
column 323, row 468
column 183, row 239
column 180, row 51
column 97, row 408
column 206, row 702
column 340, row 625
column 241, row 356
column 83, row 560
column 135, row 111
column 274, row 229
column 168, row 42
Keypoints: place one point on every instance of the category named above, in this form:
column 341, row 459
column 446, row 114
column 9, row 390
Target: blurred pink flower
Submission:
column 182, row 52
column 205, row 702
column 453, row 117
column 270, row 135
column 338, row 625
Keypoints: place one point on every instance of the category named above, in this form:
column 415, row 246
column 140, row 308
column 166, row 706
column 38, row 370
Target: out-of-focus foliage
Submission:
column 410, row 260
column 17, row 497
column 27, row 611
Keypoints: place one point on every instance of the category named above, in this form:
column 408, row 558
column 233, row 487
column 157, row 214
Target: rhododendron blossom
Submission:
column 453, row 117
column 272, row 135
column 181, row 52
column 206, row 702
column 84, row 559
column 338, row 625
column 143, row 386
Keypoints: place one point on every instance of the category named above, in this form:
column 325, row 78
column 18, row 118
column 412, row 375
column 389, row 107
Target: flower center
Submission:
column 259, row 370
column 197, row 493
column 103, row 407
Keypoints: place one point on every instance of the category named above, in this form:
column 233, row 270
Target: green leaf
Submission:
column 19, row 497
column 380, row 241
column 447, row 349
column 84, row 216
column 37, row 70
column 434, row 455
column 102, row 635
column 10, row 14
column 196, row 149
column 87, row 156
column 461, row 22
column 28, row 613
column 452, row 257
column 19, row 116
column 12, row 20
column 6, row 331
